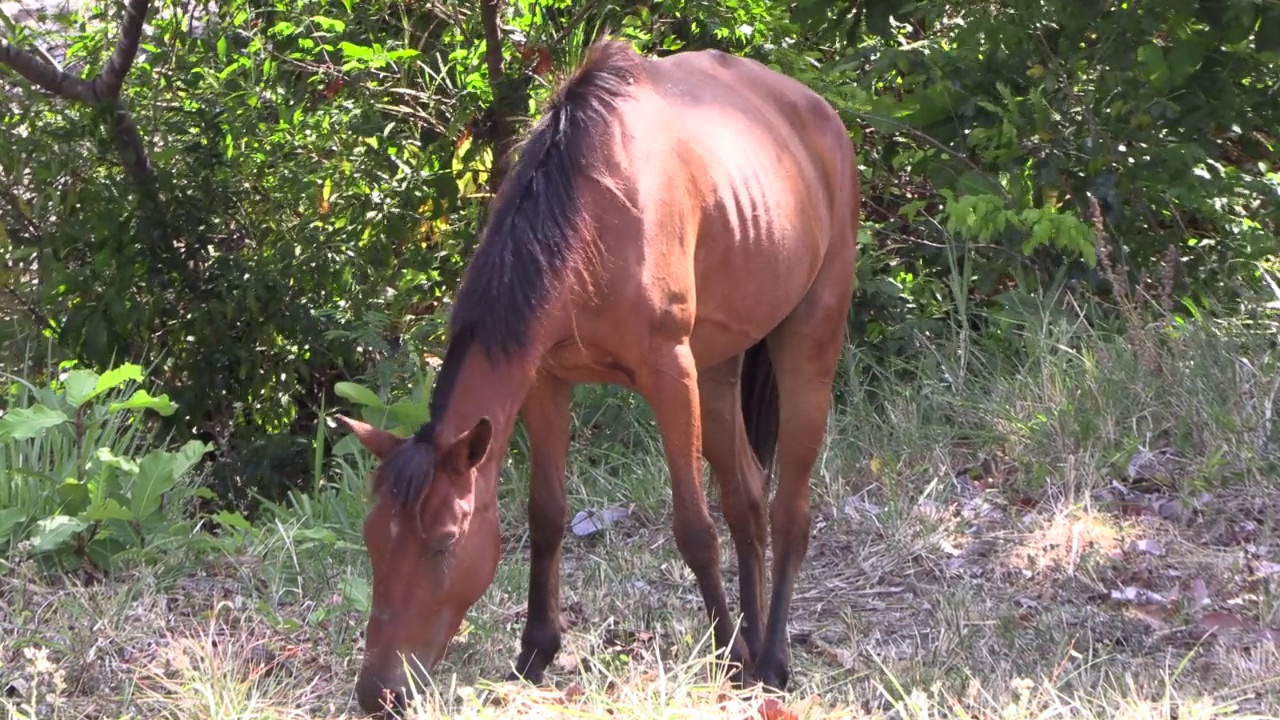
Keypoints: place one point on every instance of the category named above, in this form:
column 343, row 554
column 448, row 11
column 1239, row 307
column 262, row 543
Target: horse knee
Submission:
column 546, row 521
column 695, row 535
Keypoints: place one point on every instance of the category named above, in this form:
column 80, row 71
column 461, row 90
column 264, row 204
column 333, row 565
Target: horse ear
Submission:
column 468, row 451
column 375, row 440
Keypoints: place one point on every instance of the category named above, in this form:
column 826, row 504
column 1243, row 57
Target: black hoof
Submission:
column 773, row 675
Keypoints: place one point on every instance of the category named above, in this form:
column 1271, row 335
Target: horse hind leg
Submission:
column 805, row 350
column 727, row 449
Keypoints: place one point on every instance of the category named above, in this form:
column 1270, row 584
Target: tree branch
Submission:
column 109, row 82
column 497, row 81
column 45, row 76
column 103, row 91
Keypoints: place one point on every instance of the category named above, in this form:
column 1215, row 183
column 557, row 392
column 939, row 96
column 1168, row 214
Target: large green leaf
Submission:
column 54, row 532
column 29, row 422
column 78, row 385
column 358, row 394
column 158, row 472
column 142, row 400
column 10, row 518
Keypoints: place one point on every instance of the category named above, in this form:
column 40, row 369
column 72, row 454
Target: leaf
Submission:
column 1221, row 622
column 232, row 520
column 1151, row 547
column 773, row 709
column 116, row 377
column 411, row 414
column 356, row 592
column 10, row 518
column 158, row 472
column 107, row 457
column 1183, row 59
column 78, row 385
column 53, row 532
column 330, row 24
column 26, row 423
column 107, row 509
column 142, row 400
column 1151, row 59
column 357, row 394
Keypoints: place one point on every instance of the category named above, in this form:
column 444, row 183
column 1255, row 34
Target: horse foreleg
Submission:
column 741, row 483
column 546, row 419
column 671, row 388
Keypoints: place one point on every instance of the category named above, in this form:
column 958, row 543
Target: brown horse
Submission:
column 684, row 227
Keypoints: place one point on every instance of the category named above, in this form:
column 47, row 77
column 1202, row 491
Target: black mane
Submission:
column 537, row 232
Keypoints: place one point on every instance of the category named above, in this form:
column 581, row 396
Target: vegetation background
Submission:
column 1050, row 483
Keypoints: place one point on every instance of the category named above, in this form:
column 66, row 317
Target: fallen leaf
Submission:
column 1221, row 622
column 1200, row 592
column 771, row 709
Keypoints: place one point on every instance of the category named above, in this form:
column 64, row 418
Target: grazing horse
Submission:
column 684, row 227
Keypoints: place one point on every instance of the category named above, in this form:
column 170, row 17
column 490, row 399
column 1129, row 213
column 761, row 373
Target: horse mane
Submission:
column 538, row 231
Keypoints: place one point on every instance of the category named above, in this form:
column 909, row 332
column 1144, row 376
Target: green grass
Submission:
column 978, row 550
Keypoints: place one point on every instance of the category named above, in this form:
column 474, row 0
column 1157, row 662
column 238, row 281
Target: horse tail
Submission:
column 760, row 405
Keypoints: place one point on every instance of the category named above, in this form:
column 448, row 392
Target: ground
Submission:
column 961, row 602
column 1093, row 532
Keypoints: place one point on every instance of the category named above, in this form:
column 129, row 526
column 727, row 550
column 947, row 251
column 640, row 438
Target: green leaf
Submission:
column 116, row 377
column 232, row 520
column 26, row 423
column 317, row 534
column 412, row 414
column 107, row 509
column 10, row 518
column 143, row 400
column 355, row 52
column 53, row 532
column 1151, row 59
column 78, row 385
column 1183, row 59
column 107, row 457
column 331, row 24
column 158, row 472
column 357, row 394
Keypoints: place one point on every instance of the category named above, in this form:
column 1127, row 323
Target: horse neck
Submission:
column 487, row 388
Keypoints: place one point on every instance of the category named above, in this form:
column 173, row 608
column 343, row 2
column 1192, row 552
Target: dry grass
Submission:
column 1079, row 533
column 956, row 607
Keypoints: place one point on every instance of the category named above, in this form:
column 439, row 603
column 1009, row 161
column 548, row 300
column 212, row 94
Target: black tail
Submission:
column 760, row 405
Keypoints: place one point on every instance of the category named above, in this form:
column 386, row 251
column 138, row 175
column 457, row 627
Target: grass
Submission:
column 1063, row 524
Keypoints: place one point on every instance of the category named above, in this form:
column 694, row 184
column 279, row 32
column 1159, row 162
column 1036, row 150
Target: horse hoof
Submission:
column 531, row 675
column 774, row 676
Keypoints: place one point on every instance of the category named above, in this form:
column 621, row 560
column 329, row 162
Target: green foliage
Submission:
column 321, row 169
column 77, row 479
